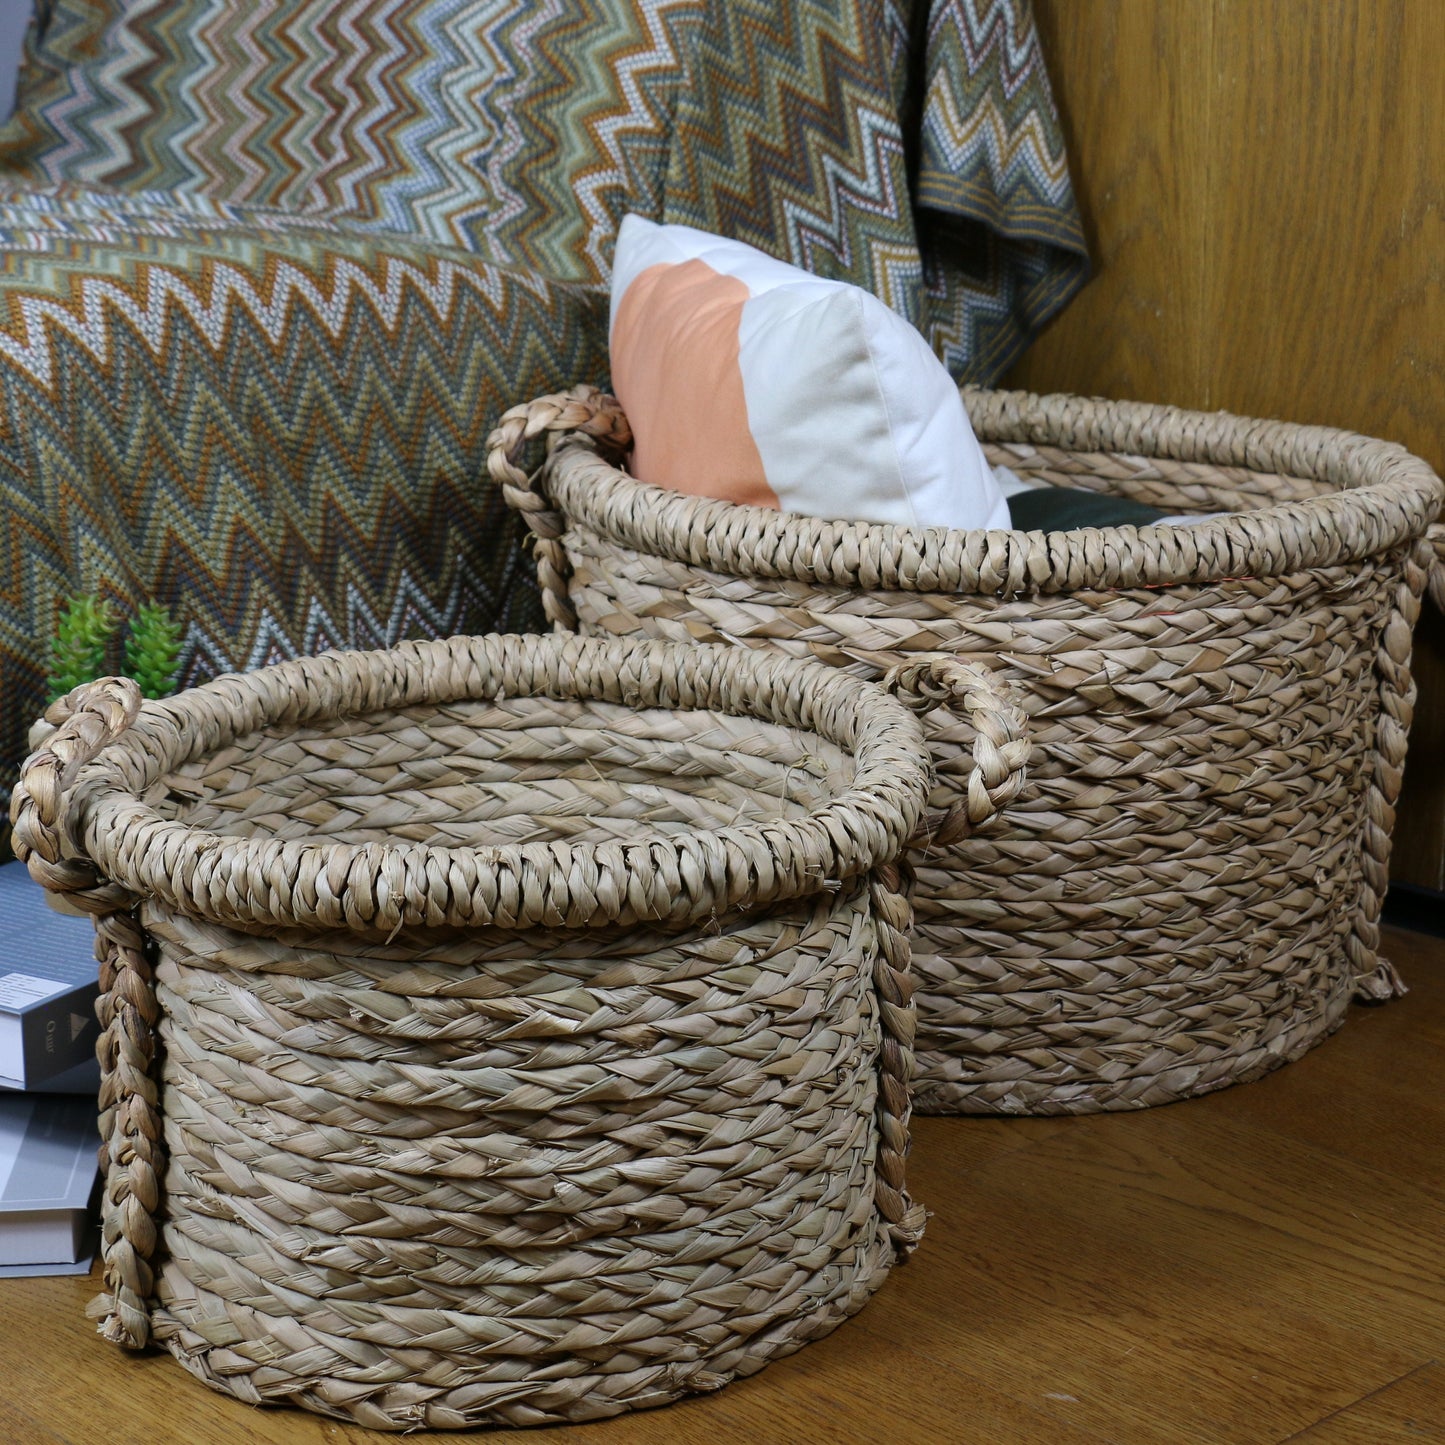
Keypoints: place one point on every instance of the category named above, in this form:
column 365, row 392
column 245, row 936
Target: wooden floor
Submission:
column 1263, row 1265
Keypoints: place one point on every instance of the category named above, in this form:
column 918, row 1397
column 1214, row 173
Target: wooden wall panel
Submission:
column 1264, row 188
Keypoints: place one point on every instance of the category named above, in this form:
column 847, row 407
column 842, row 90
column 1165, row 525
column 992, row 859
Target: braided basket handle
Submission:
column 890, row 890
column 80, row 725
column 584, row 411
column 1000, row 749
column 1435, row 536
column 76, row 730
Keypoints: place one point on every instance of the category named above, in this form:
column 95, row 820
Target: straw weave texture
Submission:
column 1188, row 893
column 510, row 1029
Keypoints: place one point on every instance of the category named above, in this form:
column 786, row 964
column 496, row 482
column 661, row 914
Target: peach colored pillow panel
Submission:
column 675, row 360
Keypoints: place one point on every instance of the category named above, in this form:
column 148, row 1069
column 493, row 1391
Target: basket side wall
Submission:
column 1187, row 895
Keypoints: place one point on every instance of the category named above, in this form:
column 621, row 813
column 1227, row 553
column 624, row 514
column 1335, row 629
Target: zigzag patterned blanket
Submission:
column 269, row 272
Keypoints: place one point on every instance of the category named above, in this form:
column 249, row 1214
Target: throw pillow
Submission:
column 749, row 380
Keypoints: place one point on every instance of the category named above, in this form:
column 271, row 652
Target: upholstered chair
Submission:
column 270, row 272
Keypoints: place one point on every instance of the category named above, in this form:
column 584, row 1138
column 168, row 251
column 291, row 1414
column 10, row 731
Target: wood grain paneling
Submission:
column 1264, row 189
column 1258, row 1266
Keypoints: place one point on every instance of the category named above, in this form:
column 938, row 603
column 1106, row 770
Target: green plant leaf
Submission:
column 81, row 637
column 153, row 650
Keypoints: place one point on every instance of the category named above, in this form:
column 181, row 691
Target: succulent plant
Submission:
column 82, row 636
column 153, row 650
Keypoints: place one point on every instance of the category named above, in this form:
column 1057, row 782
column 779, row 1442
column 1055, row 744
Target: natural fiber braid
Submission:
column 1376, row 980
column 1435, row 538
column 81, row 724
column 1000, row 748
column 132, row 1155
column 1204, row 703
column 889, row 889
column 584, row 410
column 85, row 721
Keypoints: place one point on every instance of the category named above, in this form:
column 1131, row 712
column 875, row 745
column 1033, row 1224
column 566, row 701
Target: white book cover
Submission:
column 48, row 1172
column 47, row 985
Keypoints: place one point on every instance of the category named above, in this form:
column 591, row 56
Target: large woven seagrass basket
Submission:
column 1188, row 896
column 497, row 1030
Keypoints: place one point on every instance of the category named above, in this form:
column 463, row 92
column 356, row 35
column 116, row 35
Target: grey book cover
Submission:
column 47, row 985
column 48, row 1174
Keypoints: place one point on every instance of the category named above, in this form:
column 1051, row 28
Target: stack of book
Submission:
column 48, row 1029
column 47, row 986
column 48, row 1183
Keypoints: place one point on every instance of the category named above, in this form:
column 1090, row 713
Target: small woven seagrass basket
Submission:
column 497, row 1030
column 1189, row 894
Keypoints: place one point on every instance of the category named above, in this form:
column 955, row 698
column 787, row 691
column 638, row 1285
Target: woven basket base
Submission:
column 1076, row 1091
column 324, row 1248
column 1191, row 884
column 498, row 1031
column 406, row 1406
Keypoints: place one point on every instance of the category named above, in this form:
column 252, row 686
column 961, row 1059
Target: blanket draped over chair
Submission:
column 270, row 272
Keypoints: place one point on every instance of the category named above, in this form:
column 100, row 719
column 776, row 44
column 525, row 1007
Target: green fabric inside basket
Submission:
column 1061, row 509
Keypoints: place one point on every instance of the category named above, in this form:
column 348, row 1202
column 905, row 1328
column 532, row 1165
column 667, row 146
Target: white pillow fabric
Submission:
column 747, row 379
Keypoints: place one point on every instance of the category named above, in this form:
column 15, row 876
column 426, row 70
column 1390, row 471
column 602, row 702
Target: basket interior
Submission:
column 1173, row 486
column 479, row 773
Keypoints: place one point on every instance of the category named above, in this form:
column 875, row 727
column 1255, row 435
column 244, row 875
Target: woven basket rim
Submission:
column 1386, row 497
column 384, row 886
